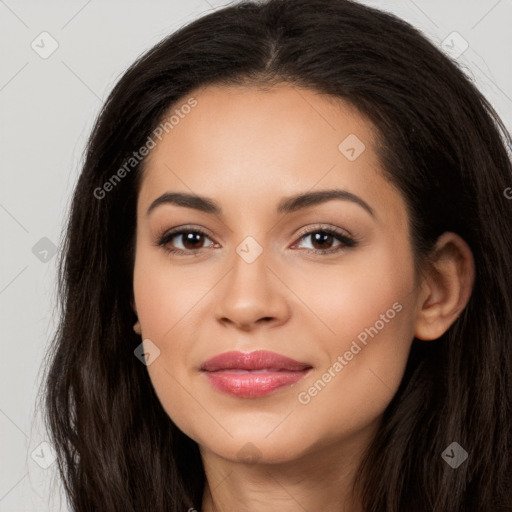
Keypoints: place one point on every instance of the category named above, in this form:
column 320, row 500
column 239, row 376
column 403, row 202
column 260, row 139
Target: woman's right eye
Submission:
column 190, row 240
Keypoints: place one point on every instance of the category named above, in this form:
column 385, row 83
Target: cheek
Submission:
column 366, row 362
column 358, row 294
column 167, row 298
column 370, row 313
column 164, row 293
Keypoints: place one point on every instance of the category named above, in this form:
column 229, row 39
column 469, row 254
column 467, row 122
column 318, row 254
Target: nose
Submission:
column 252, row 295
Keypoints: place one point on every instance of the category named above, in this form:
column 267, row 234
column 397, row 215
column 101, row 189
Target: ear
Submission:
column 446, row 286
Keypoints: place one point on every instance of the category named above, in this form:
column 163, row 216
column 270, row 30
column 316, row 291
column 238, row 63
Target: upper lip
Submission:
column 257, row 360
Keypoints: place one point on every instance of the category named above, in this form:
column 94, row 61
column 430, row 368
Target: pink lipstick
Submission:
column 254, row 374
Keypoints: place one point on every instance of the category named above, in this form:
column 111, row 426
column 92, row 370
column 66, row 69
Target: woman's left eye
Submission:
column 326, row 237
column 192, row 240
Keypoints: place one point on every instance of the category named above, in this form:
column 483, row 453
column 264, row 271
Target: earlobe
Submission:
column 136, row 326
column 446, row 287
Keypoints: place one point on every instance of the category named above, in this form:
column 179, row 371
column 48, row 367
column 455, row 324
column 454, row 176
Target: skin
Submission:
column 247, row 149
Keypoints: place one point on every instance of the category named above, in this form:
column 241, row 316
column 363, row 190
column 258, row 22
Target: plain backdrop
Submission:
column 60, row 59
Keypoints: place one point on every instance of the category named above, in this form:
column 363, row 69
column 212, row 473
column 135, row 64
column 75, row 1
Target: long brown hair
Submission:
column 443, row 146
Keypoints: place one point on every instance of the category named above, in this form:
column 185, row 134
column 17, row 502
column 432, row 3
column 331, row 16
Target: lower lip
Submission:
column 252, row 384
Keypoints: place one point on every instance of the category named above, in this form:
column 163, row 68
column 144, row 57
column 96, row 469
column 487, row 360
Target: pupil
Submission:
column 323, row 236
column 189, row 239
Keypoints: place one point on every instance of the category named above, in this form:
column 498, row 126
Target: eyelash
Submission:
column 346, row 241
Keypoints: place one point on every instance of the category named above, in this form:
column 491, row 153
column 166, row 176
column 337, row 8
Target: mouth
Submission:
column 254, row 374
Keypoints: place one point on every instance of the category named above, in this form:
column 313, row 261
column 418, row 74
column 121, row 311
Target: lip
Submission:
column 253, row 374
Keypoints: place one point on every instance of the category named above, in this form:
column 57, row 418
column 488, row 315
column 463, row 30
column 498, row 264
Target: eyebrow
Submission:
column 287, row 205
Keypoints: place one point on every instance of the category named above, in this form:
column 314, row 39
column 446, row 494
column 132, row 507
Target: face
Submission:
column 327, row 282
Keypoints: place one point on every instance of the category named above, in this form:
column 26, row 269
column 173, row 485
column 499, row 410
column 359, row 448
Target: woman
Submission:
column 286, row 280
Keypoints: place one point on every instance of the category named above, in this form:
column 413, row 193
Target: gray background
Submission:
column 48, row 108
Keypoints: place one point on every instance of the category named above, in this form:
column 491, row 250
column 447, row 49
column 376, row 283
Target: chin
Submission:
column 255, row 447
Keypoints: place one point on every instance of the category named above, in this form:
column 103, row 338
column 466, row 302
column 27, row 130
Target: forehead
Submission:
column 240, row 144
